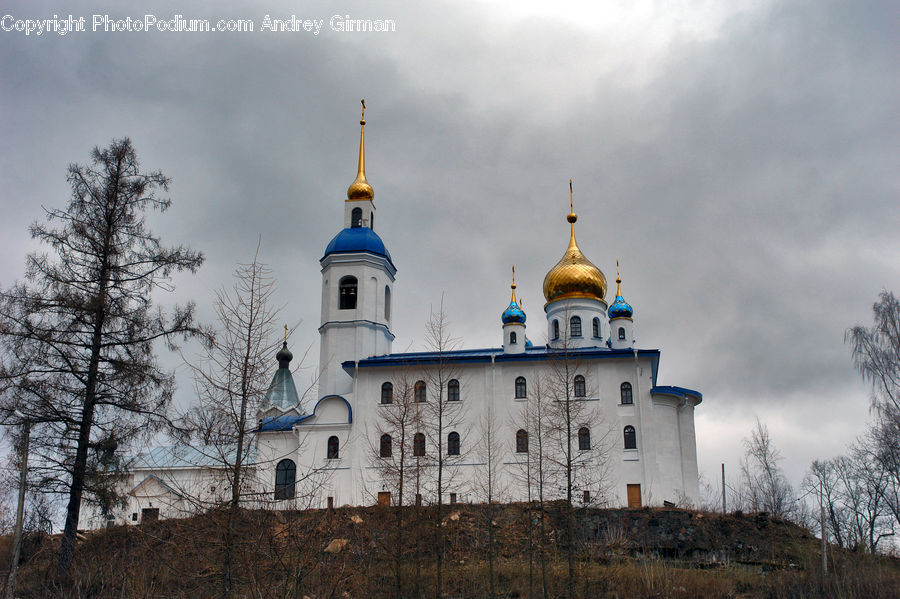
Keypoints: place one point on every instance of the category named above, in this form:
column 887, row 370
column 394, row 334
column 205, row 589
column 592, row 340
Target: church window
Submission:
column 555, row 330
column 419, row 394
column 285, row 476
column 384, row 448
column 348, row 293
column 453, row 443
column 575, row 326
column 630, row 438
column 333, row 448
column 512, row 338
column 520, row 388
column 622, row 333
column 627, row 398
column 453, row 390
column 387, row 302
column 579, row 386
column 372, row 220
column 419, row 445
column 521, row 441
column 596, row 327
column 584, row 438
column 586, row 497
column 356, row 218
column 387, row 393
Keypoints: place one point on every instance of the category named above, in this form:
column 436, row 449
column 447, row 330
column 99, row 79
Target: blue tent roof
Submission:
column 357, row 239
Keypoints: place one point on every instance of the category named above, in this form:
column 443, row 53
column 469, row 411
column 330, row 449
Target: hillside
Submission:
column 353, row 552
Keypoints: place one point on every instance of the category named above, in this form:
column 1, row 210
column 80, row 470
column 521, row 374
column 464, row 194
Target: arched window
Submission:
column 384, row 448
column 596, row 327
column 347, row 288
column 356, row 218
column 419, row 445
column 285, row 475
column 512, row 338
column 630, row 438
column 520, row 388
column 584, row 438
column 626, row 393
column 372, row 220
column 387, row 302
column 419, row 392
column 579, row 386
column 521, row 441
column 453, row 443
column 334, row 451
column 575, row 326
column 622, row 333
column 555, row 330
column 387, row 393
column 453, row 390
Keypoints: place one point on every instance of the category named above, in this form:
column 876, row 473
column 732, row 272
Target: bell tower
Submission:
column 357, row 286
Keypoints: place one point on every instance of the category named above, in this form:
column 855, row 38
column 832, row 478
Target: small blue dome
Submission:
column 620, row 308
column 357, row 239
column 528, row 343
column 513, row 314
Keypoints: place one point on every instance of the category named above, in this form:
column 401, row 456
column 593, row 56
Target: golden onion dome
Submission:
column 360, row 188
column 574, row 275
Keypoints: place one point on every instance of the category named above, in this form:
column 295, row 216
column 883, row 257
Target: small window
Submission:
column 521, row 441
column 520, row 388
column 384, row 447
column 579, row 386
column 512, row 338
column 584, row 439
column 334, row 451
column 285, row 476
column 453, row 390
column 575, row 326
column 622, row 333
column 555, row 330
column 347, row 288
column 419, row 394
column 586, row 497
column 453, row 443
column 356, row 218
column 372, row 220
column 387, row 302
column 626, row 393
column 419, row 445
column 452, row 498
column 595, row 326
column 630, row 438
column 387, row 393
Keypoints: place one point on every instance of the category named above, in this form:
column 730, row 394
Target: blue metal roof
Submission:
column 677, row 391
column 485, row 355
column 357, row 239
column 189, row 456
column 281, row 423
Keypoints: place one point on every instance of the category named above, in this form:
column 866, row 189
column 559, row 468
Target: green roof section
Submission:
column 282, row 393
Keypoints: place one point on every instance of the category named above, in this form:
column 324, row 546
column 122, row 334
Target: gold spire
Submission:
column 285, row 333
column 618, row 279
column 574, row 275
column 360, row 188
column 513, row 286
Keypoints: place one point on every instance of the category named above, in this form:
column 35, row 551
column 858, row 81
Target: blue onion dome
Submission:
column 514, row 314
column 620, row 308
column 357, row 239
column 528, row 343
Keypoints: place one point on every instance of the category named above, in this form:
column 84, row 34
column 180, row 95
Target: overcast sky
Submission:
column 741, row 163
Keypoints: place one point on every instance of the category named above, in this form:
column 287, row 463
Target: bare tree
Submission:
column 231, row 381
column 79, row 334
column 488, row 483
column 441, row 416
column 765, row 487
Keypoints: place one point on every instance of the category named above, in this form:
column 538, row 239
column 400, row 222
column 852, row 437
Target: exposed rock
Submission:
column 336, row 545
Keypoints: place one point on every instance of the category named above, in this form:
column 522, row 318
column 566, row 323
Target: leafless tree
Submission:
column 764, row 486
column 231, row 381
column 823, row 478
column 441, row 415
column 488, row 483
column 79, row 334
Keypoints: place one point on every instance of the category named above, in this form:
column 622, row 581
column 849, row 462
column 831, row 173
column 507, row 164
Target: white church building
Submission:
column 585, row 396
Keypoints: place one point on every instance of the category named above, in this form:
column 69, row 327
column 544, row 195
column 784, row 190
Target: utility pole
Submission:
column 20, row 509
column 724, row 511
column 823, row 530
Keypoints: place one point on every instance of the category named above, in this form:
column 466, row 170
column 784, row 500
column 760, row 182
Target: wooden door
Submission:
column 634, row 496
column 384, row 498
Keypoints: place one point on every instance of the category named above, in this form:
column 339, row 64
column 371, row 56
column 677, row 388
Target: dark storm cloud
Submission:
column 746, row 179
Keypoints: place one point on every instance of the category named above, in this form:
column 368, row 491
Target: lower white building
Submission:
column 587, row 402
